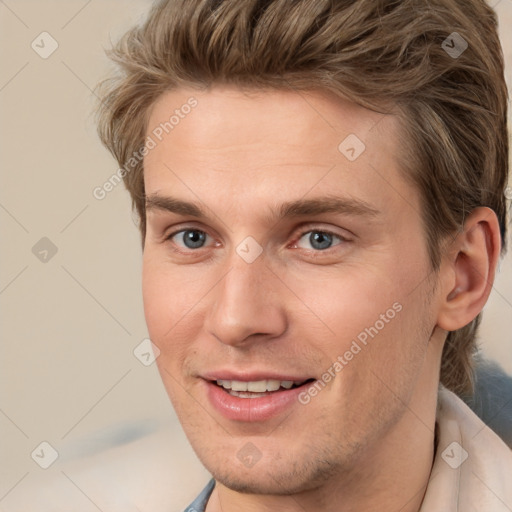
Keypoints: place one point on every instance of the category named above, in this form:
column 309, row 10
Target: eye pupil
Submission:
column 193, row 238
column 320, row 240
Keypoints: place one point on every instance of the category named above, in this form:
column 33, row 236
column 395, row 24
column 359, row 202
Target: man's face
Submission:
column 245, row 294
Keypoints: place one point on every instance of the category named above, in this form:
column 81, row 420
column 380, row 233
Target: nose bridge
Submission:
column 244, row 302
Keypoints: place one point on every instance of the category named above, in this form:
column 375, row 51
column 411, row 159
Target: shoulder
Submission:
column 472, row 468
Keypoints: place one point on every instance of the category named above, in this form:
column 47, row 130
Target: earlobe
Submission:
column 470, row 265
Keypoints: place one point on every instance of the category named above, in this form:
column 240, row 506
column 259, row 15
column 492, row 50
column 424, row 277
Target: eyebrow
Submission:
column 289, row 209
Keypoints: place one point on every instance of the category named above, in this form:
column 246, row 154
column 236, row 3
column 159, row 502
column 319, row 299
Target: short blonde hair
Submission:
column 438, row 62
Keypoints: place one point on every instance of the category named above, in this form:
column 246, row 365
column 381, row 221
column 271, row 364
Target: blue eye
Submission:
column 319, row 240
column 190, row 238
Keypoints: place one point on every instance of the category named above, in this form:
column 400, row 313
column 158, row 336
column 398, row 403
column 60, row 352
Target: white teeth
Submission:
column 273, row 385
column 258, row 386
column 226, row 384
column 238, row 385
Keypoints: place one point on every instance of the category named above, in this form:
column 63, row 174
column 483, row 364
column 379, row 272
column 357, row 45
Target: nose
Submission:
column 245, row 304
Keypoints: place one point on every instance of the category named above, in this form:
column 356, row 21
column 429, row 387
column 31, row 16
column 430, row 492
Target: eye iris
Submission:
column 193, row 239
column 320, row 240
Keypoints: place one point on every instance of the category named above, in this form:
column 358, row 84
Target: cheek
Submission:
column 159, row 304
column 377, row 316
column 172, row 307
column 347, row 300
column 168, row 292
column 163, row 308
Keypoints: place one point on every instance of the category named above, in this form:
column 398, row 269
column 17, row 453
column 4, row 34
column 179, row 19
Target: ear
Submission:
column 467, row 269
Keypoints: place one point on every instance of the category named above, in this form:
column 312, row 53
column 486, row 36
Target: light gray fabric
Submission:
column 473, row 467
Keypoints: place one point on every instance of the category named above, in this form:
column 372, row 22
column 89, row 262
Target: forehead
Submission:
column 260, row 116
column 266, row 143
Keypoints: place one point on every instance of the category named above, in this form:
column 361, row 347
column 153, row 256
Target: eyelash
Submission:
column 301, row 234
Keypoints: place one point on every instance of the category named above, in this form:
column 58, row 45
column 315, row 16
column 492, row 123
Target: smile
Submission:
column 254, row 400
column 257, row 388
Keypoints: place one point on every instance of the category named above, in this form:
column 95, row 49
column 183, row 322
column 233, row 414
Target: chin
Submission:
column 265, row 484
column 283, row 478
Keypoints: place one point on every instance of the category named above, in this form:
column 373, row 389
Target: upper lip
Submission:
column 253, row 376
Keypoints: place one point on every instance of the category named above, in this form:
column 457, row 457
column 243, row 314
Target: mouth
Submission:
column 258, row 388
column 256, row 400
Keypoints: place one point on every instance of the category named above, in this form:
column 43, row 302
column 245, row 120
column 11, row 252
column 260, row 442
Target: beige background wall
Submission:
column 70, row 324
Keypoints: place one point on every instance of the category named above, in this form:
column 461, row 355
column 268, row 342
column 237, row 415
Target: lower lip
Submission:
column 252, row 409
